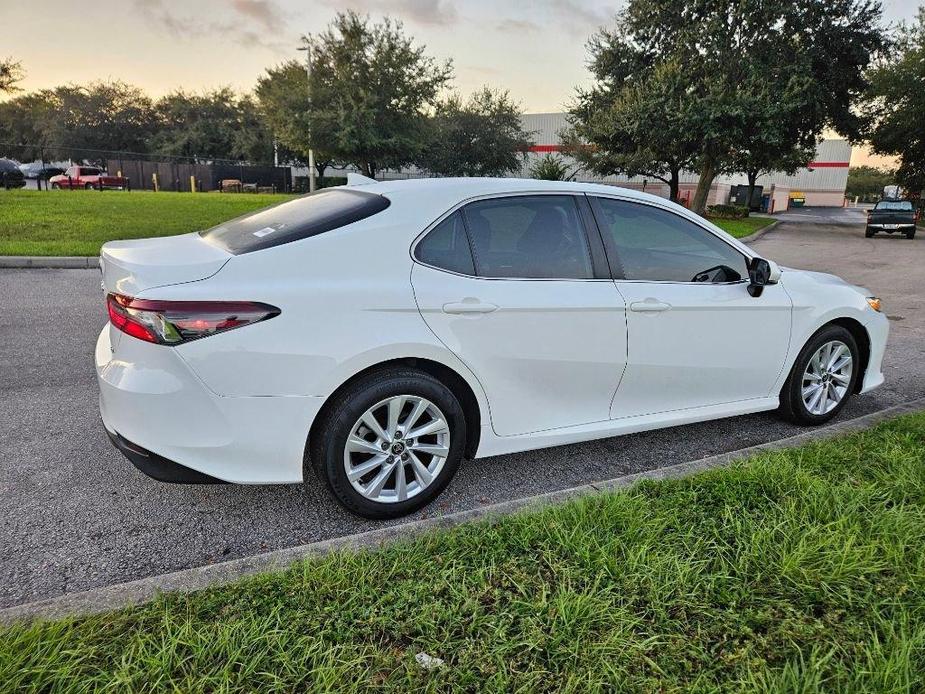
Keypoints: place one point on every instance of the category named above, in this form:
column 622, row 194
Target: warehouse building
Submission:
column 821, row 183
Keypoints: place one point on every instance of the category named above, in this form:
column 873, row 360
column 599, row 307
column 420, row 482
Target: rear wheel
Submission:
column 89, row 186
column 910, row 234
column 822, row 378
column 390, row 444
column 868, row 232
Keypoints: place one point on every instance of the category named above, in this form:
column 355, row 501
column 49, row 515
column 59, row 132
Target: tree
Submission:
column 216, row 124
column 868, row 182
column 550, row 168
column 102, row 116
column 371, row 90
column 483, row 136
column 803, row 61
column 632, row 123
column 22, row 122
column 284, row 104
column 11, row 72
column 898, row 106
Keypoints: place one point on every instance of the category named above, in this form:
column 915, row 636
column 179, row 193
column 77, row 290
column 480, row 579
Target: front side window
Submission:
column 447, row 247
column 657, row 245
column 308, row 215
column 539, row 236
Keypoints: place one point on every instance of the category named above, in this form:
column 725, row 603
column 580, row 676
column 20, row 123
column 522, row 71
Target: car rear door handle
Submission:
column 469, row 306
column 649, row 306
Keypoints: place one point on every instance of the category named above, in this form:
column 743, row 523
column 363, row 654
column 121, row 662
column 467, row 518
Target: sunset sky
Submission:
column 534, row 49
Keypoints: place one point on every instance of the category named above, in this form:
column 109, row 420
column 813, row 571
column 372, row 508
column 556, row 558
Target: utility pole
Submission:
column 308, row 71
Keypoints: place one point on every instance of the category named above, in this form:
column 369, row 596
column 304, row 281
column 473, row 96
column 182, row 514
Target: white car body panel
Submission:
column 560, row 361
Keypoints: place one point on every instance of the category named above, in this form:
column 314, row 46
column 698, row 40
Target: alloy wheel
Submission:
column 397, row 448
column 827, row 377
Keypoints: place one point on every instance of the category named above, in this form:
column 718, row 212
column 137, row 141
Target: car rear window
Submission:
column 894, row 205
column 294, row 220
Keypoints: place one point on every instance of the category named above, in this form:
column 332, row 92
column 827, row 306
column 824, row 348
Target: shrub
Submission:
column 727, row 211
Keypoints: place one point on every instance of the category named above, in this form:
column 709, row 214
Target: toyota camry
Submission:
column 372, row 336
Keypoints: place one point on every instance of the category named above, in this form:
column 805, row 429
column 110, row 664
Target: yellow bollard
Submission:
column 192, row 184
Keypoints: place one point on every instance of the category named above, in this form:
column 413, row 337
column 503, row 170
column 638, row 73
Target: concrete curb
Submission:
column 121, row 595
column 20, row 262
column 761, row 232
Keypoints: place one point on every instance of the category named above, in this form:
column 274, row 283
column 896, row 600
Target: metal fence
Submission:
column 155, row 171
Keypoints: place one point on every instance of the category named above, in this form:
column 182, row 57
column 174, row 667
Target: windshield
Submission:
column 894, row 205
column 294, row 220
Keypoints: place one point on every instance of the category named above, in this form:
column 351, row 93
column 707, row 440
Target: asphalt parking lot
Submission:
column 77, row 515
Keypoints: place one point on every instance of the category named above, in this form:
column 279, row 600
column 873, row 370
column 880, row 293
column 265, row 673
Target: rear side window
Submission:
column 447, row 247
column 89, row 171
column 297, row 219
column 539, row 236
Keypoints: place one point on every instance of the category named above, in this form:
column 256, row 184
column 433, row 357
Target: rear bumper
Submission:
column 891, row 227
column 170, row 425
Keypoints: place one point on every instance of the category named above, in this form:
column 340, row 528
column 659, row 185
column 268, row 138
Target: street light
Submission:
column 308, row 71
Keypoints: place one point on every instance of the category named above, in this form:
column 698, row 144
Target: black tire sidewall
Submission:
column 793, row 387
column 326, row 452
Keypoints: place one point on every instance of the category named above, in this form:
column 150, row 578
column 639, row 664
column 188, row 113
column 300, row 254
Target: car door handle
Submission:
column 649, row 306
column 463, row 307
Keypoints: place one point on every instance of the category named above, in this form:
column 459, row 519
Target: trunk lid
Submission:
column 131, row 267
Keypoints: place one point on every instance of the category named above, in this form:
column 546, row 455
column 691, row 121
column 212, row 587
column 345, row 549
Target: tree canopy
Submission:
column 11, row 72
column 482, row 136
column 868, row 182
column 673, row 74
column 898, row 106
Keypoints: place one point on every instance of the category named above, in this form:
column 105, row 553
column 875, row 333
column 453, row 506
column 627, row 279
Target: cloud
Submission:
column 519, row 26
column 264, row 12
column 421, row 12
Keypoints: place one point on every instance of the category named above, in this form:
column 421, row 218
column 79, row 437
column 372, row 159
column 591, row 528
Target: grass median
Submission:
column 77, row 223
column 800, row 570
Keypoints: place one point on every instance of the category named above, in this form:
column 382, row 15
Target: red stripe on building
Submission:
column 545, row 148
column 828, row 165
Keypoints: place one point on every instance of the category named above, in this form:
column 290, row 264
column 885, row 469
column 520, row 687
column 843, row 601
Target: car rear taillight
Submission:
column 175, row 322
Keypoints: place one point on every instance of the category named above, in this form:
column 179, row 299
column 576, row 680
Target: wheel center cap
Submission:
column 398, row 448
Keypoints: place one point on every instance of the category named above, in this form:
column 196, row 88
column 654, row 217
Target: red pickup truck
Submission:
column 87, row 177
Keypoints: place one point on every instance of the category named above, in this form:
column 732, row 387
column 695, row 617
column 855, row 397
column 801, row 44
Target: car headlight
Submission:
column 875, row 303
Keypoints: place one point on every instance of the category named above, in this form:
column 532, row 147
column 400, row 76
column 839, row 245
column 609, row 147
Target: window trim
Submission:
column 617, row 264
column 599, row 266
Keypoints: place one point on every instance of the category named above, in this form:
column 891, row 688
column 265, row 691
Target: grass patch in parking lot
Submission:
column 798, row 570
column 63, row 222
column 742, row 227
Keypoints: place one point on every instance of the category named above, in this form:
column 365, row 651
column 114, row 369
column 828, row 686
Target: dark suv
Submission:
column 10, row 175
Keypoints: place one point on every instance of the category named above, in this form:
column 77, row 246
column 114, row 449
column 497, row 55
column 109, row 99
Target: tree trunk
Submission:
column 369, row 169
column 320, row 167
column 674, row 184
column 707, row 174
column 752, row 178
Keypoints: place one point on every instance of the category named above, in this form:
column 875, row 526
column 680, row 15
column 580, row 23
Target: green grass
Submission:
column 797, row 571
column 742, row 227
column 79, row 222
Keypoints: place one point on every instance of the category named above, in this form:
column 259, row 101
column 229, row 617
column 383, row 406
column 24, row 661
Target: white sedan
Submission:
column 379, row 333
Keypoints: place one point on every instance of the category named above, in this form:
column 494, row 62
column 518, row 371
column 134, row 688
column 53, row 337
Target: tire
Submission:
column 89, row 186
column 792, row 405
column 329, row 457
column 55, row 186
column 869, row 233
column 910, row 234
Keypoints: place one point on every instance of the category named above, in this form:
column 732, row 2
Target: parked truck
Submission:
column 892, row 216
column 89, row 177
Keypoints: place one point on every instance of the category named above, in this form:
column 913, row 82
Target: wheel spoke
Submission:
column 401, row 487
column 811, row 390
column 813, row 404
column 357, row 445
column 840, row 364
column 834, row 354
column 433, row 449
column 395, row 406
column 420, row 470
column 366, row 467
column 419, row 409
column 374, row 488
column 374, row 425
column 843, row 380
column 436, row 426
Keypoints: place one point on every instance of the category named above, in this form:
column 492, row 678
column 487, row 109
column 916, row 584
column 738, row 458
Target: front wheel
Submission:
column 822, row 378
column 55, row 186
column 910, row 234
column 390, row 444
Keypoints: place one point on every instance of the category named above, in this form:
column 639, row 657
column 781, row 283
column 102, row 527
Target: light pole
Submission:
column 308, row 71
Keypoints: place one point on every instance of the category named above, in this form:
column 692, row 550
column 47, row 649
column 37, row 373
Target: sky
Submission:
column 536, row 50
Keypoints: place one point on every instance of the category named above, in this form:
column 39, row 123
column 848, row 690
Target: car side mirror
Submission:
column 761, row 272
